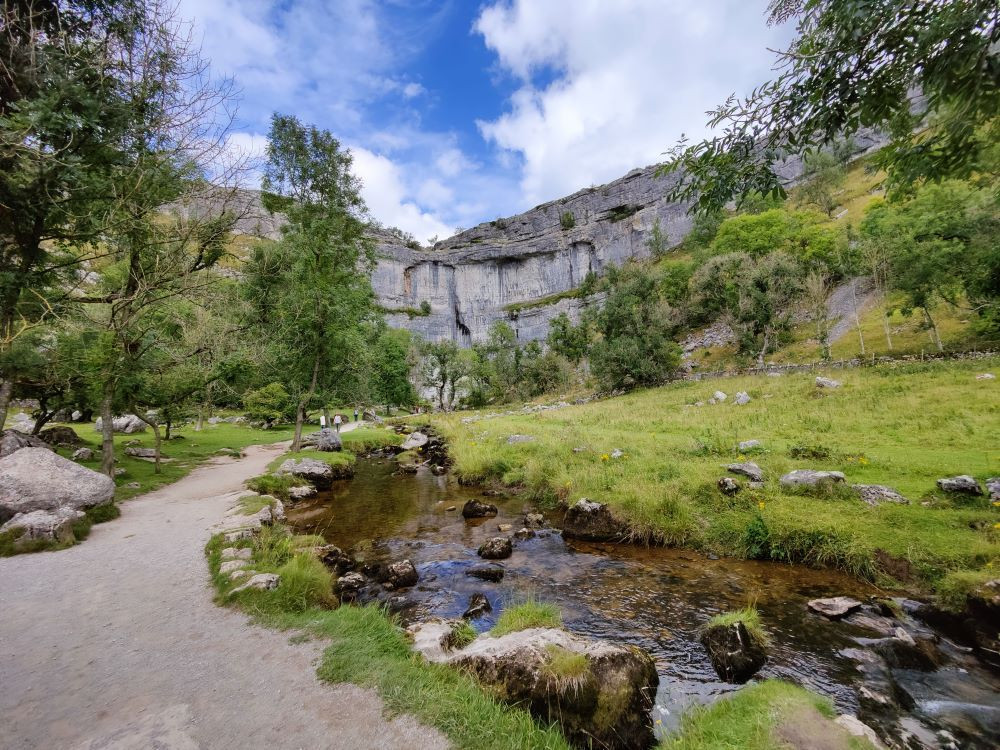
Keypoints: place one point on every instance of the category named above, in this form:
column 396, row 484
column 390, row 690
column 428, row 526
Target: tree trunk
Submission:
column 326, row 416
column 107, row 432
column 166, row 433
column 156, row 446
column 43, row 419
column 936, row 338
column 6, row 389
column 300, row 413
column 200, row 420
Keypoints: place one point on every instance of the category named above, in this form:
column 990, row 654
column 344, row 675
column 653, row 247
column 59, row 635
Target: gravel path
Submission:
column 116, row 643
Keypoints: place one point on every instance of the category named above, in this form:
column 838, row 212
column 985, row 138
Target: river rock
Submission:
column 476, row 509
column 127, row 424
column 592, row 522
column 83, row 454
column 736, row 654
column 400, row 575
column 15, row 440
column 728, row 486
column 811, row 478
column 60, row 435
column 349, row 586
column 261, row 581
column 503, row 528
column 317, row 472
column 301, row 493
column 903, row 651
column 876, row 494
column 741, row 398
column 746, row 446
column 524, row 533
column 497, row 548
column 414, row 441
column 834, row 607
column 479, row 605
column 534, row 520
column 607, row 705
column 40, row 479
column 748, row 469
column 48, row 525
column 963, row 484
column 489, row 573
column 335, row 559
column 822, row 382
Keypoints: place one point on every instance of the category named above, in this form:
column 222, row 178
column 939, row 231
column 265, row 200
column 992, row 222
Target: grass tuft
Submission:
column 750, row 618
column 529, row 614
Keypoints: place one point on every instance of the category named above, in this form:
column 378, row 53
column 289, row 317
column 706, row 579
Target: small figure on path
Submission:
column 336, row 422
column 355, row 414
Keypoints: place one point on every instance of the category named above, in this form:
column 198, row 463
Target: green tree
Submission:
column 444, row 366
column 569, row 340
column 855, row 65
column 392, row 365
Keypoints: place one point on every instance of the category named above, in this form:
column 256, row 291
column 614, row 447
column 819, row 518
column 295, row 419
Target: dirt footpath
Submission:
column 116, row 643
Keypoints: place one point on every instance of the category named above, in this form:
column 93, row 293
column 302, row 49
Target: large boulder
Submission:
column 61, row 435
column 963, row 484
column 43, row 525
column 127, row 424
column 415, row 440
column 599, row 693
column 15, row 440
column 39, row 479
column 592, row 522
column 316, row 472
column 811, row 478
column 325, row 440
column 735, row 652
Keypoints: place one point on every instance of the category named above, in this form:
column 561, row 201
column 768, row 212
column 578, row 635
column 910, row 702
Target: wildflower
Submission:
column 996, row 503
column 996, row 526
column 761, row 505
column 741, row 457
column 472, row 443
column 605, row 457
column 850, row 459
column 863, row 461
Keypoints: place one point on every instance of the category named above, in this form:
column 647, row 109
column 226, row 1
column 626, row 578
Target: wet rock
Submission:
column 336, row 559
column 750, row 445
column 514, row 439
column 497, row 548
column 876, row 494
column 451, row 508
column 489, row 573
column 83, row 454
column 748, row 469
column 476, row 509
column 741, row 398
column 834, row 607
column 12, row 441
column 438, row 470
column 414, row 441
column 592, row 522
column 534, row 520
column 60, row 435
column 319, row 473
column 479, row 605
column 524, row 533
column 349, row 586
column 881, row 625
column 503, row 528
column 40, row 479
column 736, row 654
column 903, row 651
column 822, row 382
column 400, row 575
column 811, row 478
column 728, row 486
column 261, row 581
column 54, row 525
column 605, row 704
column 963, row 484
column 301, row 493
column 408, row 462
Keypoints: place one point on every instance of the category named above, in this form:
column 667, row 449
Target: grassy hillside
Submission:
column 904, row 426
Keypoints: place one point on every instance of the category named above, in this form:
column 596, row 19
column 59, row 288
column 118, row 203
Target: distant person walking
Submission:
column 355, row 414
column 336, row 422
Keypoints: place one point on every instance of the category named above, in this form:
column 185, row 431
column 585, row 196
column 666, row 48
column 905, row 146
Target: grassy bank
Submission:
column 904, row 426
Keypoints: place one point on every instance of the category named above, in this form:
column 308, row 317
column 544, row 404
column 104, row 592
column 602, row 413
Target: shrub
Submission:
column 269, row 404
column 425, row 307
column 567, row 220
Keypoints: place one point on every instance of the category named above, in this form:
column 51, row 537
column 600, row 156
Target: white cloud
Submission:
column 411, row 90
column 620, row 81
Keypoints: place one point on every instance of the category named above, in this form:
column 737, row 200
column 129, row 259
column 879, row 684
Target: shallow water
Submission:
column 655, row 598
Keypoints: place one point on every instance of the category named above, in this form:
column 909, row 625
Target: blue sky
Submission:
column 459, row 111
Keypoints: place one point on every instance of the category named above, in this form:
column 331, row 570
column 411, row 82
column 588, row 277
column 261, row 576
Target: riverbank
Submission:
column 655, row 457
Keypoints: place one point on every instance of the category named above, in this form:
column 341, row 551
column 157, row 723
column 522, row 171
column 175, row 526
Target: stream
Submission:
column 656, row 598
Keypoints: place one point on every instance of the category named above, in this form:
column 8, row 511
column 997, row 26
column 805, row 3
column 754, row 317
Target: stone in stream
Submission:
column 728, row 486
column 349, row 586
column 876, row 494
column 476, row 509
column 811, row 478
column 903, row 651
column 40, row 479
column 834, row 607
column 489, row 573
column 400, row 575
column 415, row 440
column 497, row 548
column 736, row 653
column 503, row 528
column 12, row 441
column 748, row 469
column 606, row 702
column 335, row 559
column 524, row 533
column 592, row 522
column 534, row 520
column 856, row 728
column 963, row 484
column 479, row 605
column 261, row 581
column 301, row 493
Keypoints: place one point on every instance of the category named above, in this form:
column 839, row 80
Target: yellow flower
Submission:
column 605, row 456
column 996, row 502
column 996, row 526
column 472, row 443
column 761, row 505
column 862, row 460
column 850, row 459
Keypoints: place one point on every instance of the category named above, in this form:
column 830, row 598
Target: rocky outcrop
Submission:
column 38, row 479
column 15, row 440
column 592, row 522
column 599, row 693
column 127, row 424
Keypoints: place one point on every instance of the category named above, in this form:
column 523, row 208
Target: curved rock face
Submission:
column 39, row 479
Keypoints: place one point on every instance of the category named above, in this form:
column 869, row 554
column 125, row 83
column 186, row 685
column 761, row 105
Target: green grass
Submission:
column 276, row 485
column 339, row 460
column 251, row 504
column 565, row 668
column 903, row 425
column 460, row 636
column 529, row 614
column 753, row 719
column 550, row 299
column 750, row 618
column 365, row 439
